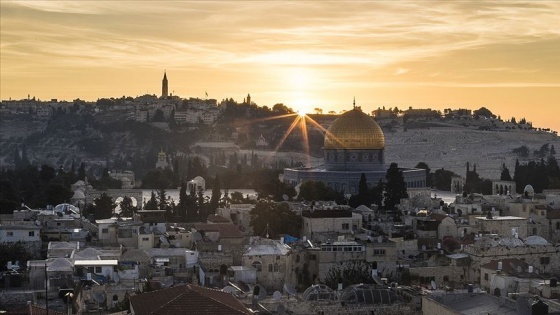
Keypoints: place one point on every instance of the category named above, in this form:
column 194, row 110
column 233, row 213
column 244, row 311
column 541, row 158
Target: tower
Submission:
column 164, row 90
column 249, row 99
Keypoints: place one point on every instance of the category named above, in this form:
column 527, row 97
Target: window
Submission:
column 269, row 267
column 104, row 231
column 145, row 239
column 276, row 269
column 485, row 276
column 312, row 257
column 98, row 270
column 257, row 265
column 446, row 278
column 379, row 252
column 9, row 234
column 31, row 233
column 345, row 226
column 545, row 260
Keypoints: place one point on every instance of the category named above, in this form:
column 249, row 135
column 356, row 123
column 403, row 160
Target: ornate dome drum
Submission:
column 354, row 142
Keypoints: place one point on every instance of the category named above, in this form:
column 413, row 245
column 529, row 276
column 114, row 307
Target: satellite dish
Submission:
column 229, row 289
column 197, row 236
column 434, row 285
column 99, row 297
column 276, row 296
column 290, row 289
column 285, row 197
column 259, row 292
column 377, row 280
column 37, row 223
column 243, row 286
column 281, row 309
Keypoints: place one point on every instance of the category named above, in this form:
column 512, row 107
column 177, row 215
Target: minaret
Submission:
column 164, row 90
column 249, row 99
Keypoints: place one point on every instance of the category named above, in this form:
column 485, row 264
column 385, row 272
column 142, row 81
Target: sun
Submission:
column 302, row 112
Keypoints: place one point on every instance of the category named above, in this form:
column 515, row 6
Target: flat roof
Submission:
column 497, row 218
column 108, row 262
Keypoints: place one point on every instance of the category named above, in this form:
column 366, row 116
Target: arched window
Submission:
column 257, row 265
column 276, row 267
column 269, row 267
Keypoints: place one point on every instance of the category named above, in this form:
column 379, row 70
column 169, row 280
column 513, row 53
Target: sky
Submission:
column 502, row 55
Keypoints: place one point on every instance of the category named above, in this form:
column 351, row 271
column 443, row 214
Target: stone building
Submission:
column 354, row 145
column 325, row 225
column 533, row 250
column 271, row 259
column 505, row 226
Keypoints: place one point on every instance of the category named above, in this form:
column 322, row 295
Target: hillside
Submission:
column 111, row 139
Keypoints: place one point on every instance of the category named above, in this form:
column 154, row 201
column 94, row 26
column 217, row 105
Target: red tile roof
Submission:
column 225, row 230
column 552, row 215
column 214, row 218
column 33, row 309
column 187, row 298
column 509, row 265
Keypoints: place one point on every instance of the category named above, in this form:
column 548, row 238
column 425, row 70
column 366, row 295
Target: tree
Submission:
column 15, row 251
column 351, row 272
column 364, row 194
column 442, row 179
column 182, row 206
column 127, row 209
column 395, row 187
column 318, row 111
column 236, row 197
column 216, row 194
column 505, row 173
column 484, row 112
column 152, row 204
column 522, row 151
column 316, row 190
column 275, row 219
column 162, row 199
column 82, row 171
column 103, row 207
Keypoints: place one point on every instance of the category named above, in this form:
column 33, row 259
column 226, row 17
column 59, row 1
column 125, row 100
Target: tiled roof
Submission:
column 187, row 298
column 509, row 265
column 552, row 215
column 33, row 309
column 225, row 230
column 217, row 219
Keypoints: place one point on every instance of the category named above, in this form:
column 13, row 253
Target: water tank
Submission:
column 539, row 308
column 530, row 269
column 553, row 282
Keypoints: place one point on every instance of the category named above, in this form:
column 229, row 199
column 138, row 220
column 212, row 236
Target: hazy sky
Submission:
column 438, row 54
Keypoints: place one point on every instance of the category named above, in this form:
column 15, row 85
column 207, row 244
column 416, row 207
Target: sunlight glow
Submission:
column 302, row 112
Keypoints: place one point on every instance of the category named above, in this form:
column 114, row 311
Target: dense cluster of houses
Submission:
column 496, row 248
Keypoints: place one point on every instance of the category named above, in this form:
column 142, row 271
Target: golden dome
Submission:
column 354, row 130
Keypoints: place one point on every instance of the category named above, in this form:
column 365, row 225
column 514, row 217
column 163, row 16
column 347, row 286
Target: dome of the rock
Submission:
column 354, row 130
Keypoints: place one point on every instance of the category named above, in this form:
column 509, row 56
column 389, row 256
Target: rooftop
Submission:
column 195, row 299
